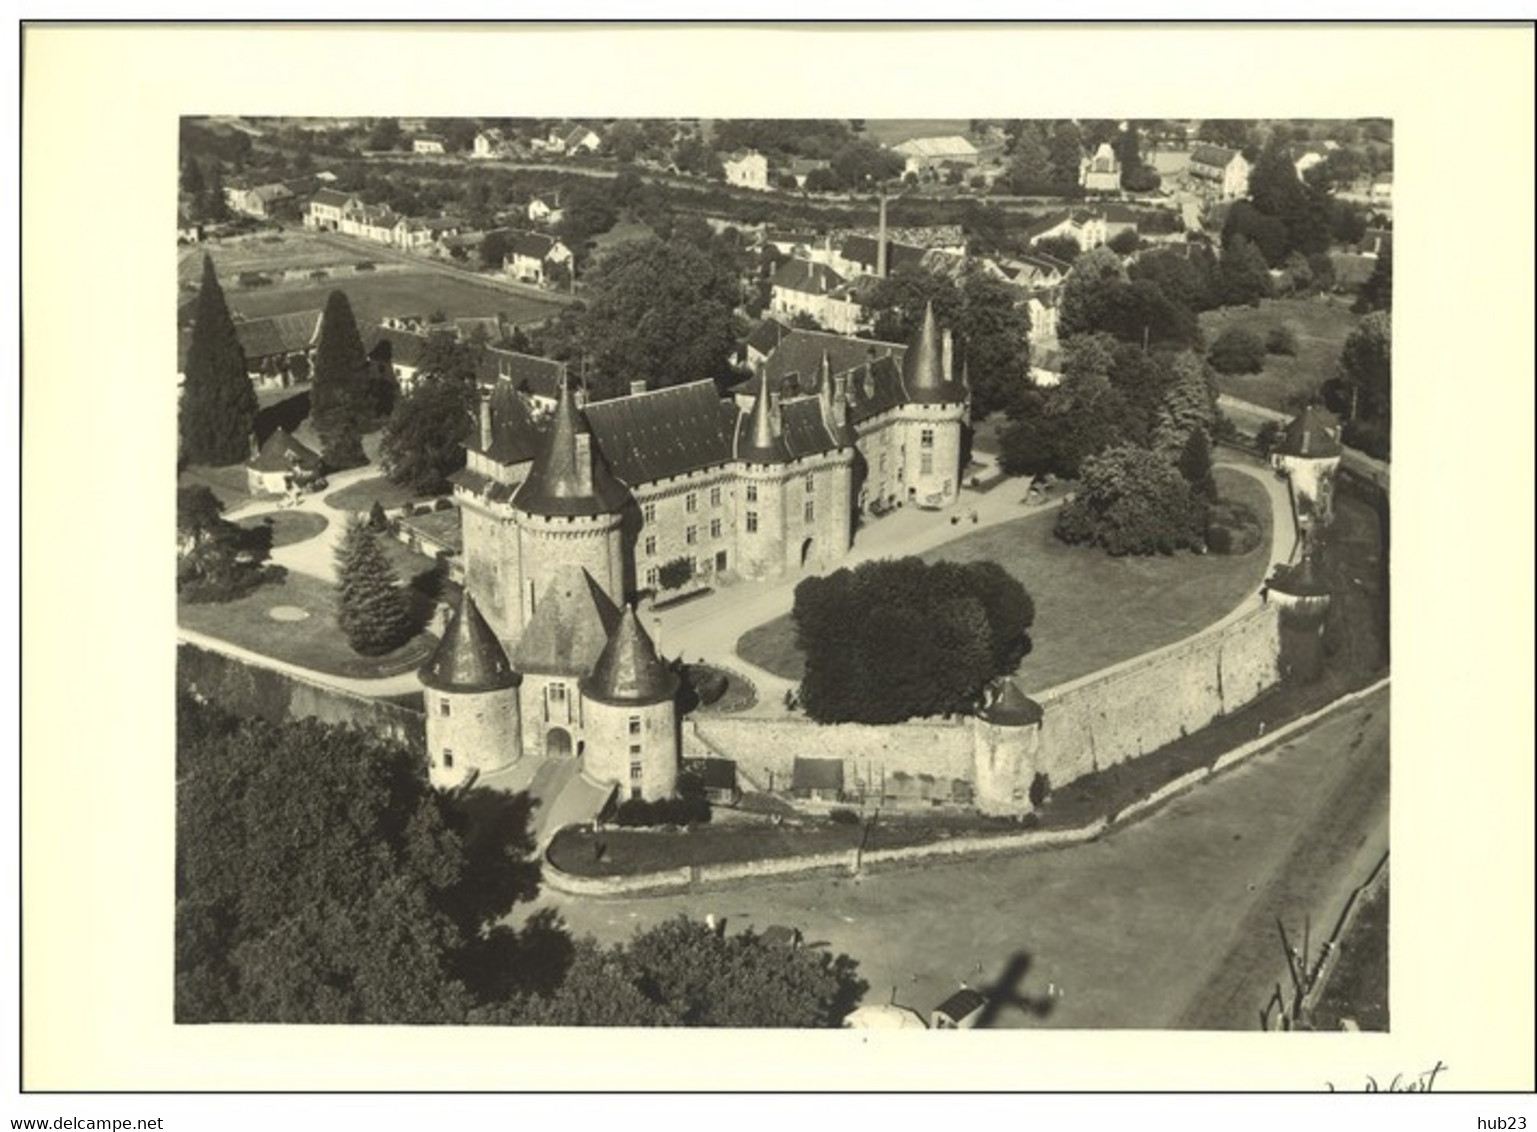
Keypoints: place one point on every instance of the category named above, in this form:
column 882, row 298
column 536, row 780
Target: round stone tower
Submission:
column 762, row 471
column 568, row 512
column 933, row 416
column 1302, row 598
column 1006, row 743
column 630, row 702
column 471, row 697
column 1308, row 455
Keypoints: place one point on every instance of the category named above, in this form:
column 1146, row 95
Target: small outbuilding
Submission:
column 961, row 1011
column 820, row 780
column 282, row 463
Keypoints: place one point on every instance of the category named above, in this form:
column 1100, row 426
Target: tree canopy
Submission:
column 658, row 312
column 217, row 560
column 218, row 402
column 423, row 442
column 1133, row 500
column 341, row 397
column 894, row 639
column 372, row 610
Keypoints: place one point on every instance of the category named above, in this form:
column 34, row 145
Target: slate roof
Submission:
column 803, row 430
column 278, row 334
column 962, row 1004
column 630, row 671
column 532, row 245
column 952, row 145
column 816, row 774
column 1315, row 433
column 1214, row 156
column 515, row 435
column 333, row 197
column 757, row 440
column 767, row 335
column 664, row 432
column 561, row 481
column 572, row 622
column 1047, row 223
column 539, row 377
column 923, row 376
column 402, row 346
column 863, row 250
column 282, row 452
column 808, row 277
column 469, row 658
column 800, row 352
column 1007, row 706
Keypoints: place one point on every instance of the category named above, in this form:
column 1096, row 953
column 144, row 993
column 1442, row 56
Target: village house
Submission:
column 489, row 144
column 1086, row 229
column 428, row 143
column 1305, row 155
column 1382, row 189
column 1102, row 172
column 576, row 140
column 327, row 207
column 280, row 349
column 535, row 258
column 259, row 201
column 545, row 209
column 801, row 286
column 281, row 464
column 1221, row 173
column 921, row 154
column 1035, row 270
column 800, row 168
column 747, row 170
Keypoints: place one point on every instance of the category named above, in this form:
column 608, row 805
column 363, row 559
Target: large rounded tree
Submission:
column 218, row 402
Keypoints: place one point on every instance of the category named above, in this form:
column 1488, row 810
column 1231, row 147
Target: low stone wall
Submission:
column 248, row 689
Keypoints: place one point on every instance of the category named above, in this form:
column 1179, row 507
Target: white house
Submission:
column 545, row 209
column 1086, row 229
column 428, row 143
column 1224, row 173
column 801, row 286
column 327, row 207
column 1102, row 172
column 1382, row 188
column 532, row 255
column 580, row 139
column 747, row 170
column 488, row 144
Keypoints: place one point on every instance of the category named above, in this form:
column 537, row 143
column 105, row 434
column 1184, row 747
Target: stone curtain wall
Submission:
column 1107, row 718
column 1135, row 708
column 245, row 689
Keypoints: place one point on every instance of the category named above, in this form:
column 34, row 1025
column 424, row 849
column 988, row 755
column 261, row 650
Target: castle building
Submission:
column 569, row 515
column 1308, row 455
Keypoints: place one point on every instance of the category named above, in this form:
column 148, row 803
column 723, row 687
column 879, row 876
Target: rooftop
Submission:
column 469, row 658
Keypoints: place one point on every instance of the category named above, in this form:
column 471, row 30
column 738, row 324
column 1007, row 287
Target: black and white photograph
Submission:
column 772, row 570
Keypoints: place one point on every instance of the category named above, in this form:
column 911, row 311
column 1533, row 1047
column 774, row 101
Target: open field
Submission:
column 895, row 131
column 1321, row 329
column 403, row 292
column 1092, row 610
column 264, row 251
column 313, row 642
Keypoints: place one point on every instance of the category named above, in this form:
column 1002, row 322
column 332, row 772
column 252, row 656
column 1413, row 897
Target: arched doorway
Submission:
column 806, row 548
column 557, row 744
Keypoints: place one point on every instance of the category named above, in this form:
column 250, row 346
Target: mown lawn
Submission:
column 1091, row 610
column 1321, row 328
column 288, row 527
column 362, row 495
column 229, row 484
column 395, row 292
column 314, row 642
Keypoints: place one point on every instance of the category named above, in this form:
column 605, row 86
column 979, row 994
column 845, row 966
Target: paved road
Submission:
column 1164, row 923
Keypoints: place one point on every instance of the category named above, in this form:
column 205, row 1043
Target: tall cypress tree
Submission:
column 339, row 398
column 218, row 402
column 372, row 608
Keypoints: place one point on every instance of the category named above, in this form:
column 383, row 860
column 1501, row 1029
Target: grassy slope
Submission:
column 1091, row 610
column 403, row 292
column 1321, row 329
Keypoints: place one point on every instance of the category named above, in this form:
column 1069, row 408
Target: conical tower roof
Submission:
column 1301, row 580
column 569, row 475
column 469, row 658
column 757, row 441
column 923, row 373
column 1314, row 433
column 630, row 671
column 1007, row 706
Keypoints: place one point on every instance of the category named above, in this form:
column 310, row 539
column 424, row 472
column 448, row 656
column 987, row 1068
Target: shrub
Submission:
column 443, row 505
column 364, row 266
column 252, row 279
column 1040, row 789
column 1268, row 435
column 842, row 816
column 1369, row 436
column 709, row 684
column 1281, row 340
column 1237, row 350
column 673, row 574
column 320, row 273
column 691, row 810
column 1232, row 528
column 377, row 519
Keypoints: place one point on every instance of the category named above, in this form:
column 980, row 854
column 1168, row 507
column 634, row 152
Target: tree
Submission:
column 320, row 879
column 1185, row 279
column 1265, row 232
column 423, row 440
column 588, row 211
column 1084, row 294
column 386, row 134
column 1195, row 466
column 1281, row 340
column 1189, row 403
column 1133, row 500
column 1377, row 292
column 1125, row 242
column 897, row 302
column 1237, row 350
column 1066, row 147
column 994, row 342
column 217, row 560
column 218, row 402
column 1064, row 248
column 192, row 182
column 341, row 396
column 1030, row 170
column 894, row 639
column 372, row 610
column 1243, row 277
column 657, row 312
column 1366, row 367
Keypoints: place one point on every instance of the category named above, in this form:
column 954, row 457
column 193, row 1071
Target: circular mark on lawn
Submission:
column 288, row 613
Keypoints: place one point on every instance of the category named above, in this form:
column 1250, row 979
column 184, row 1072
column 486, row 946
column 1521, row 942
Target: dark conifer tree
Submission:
column 340, row 396
column 218, row 402
column 372, row 608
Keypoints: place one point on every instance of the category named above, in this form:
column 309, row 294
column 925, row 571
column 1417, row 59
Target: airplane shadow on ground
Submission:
column 1006, row 994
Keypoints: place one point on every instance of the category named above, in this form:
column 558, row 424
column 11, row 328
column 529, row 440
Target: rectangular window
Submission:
column 448, row 759
column 811, row 510
column 648, row 512
column 650, row 544
column 926, row 462
column 691, row 502
column 715, row 497
column 752, row 522
column 883, row 461
column 651, row 577
column 926, row 439
column 634, row 725
column 715, row 528
column 634, row 752
column 557, row 693
column 691, row 536
column 635, row 791
column 720, row 559
column 443, row 708
column 811, row 483
column 752, row 493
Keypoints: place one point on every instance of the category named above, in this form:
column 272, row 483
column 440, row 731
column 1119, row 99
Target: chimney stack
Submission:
column 880, row 242
column 485, row 422
column 840, row 399
column 775, row 413
column 947, row 354
column 255, row 448
column 584, row 461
